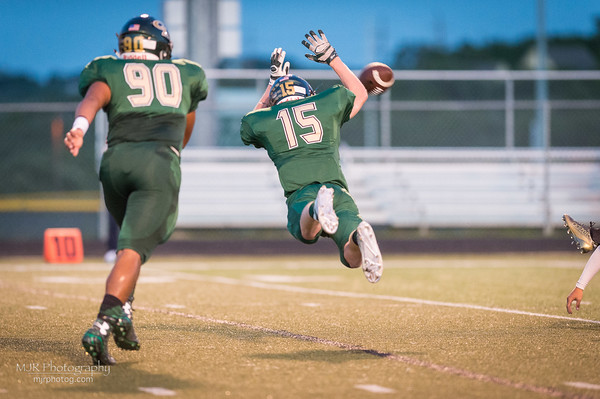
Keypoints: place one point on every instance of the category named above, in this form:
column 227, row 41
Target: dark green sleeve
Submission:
column 90, row 74
column 199, row 89
column 246, row 132
column 347, row 98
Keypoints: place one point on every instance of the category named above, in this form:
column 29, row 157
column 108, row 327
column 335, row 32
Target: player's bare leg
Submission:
column 352, row 253
column 309, row 226
column 121, row 280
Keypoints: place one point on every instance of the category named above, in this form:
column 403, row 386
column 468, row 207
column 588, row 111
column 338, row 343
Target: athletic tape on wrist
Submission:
column 81, row 123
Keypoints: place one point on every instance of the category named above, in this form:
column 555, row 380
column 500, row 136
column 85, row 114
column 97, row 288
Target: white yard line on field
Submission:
column 583, row 385
column 357, row 295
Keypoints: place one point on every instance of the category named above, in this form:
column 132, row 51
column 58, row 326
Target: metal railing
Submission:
column 421, row 120
column 387, row 104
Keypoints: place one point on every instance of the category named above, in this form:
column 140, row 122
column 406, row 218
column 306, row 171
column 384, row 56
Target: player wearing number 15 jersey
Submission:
column 150, row 101
column 300, row 130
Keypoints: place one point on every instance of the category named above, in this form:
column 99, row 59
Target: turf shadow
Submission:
column 125, row 377
column 35, row 345
column 227, row 331
column 334, row 356
column 576, row 325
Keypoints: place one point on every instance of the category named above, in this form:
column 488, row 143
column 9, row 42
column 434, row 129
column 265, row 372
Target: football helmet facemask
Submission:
column 145, row 36
column 288, row 88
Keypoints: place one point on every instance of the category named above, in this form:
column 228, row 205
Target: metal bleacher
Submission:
column 229, row 188
column 411, row 188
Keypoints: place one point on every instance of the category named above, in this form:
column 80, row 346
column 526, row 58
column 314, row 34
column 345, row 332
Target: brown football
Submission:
column 377, row 78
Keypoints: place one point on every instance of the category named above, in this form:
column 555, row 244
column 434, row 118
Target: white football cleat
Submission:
column 324, row 208
column 372, row 262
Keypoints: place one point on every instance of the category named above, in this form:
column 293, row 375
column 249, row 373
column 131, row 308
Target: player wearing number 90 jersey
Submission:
column 149, row 98
column 150, row 101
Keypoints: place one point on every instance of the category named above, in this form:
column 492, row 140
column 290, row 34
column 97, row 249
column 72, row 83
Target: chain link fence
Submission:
column 42, row 185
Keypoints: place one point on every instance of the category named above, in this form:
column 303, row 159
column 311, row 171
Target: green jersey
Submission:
column 149, row 99
column 302, row 137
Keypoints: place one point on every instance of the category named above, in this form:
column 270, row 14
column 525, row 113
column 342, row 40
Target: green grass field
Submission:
column 460, row 326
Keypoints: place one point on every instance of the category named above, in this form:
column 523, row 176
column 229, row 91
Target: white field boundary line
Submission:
column 356, row 295
column 549, row 391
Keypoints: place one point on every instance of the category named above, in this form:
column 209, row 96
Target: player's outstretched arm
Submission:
column 323, row 52
column 352, row 83
column 592, row 267
column 97, row 96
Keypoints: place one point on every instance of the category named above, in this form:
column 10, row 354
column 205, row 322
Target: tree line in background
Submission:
column 564, row 53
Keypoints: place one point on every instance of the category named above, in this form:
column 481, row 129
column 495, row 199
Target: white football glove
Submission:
column 278, row 67
column 320, row 46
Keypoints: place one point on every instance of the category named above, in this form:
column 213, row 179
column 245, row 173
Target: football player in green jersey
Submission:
column 300, row 130
column 150, row 100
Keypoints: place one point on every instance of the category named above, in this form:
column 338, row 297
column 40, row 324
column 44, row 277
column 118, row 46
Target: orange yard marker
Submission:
column 63, row 245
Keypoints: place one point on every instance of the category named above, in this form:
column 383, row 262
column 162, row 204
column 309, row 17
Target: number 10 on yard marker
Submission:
column 63, row 245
